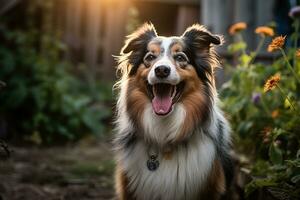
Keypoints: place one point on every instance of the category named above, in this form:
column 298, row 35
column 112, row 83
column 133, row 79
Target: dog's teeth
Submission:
column 153, row 90
column 174, row 91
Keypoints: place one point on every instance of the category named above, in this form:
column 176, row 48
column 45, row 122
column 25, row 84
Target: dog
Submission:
column 172, row 140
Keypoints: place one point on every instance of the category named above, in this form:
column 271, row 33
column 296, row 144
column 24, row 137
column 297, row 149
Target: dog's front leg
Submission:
column 121, row 184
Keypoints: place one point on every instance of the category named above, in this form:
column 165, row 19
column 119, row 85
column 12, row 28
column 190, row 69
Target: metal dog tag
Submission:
column 152, row 163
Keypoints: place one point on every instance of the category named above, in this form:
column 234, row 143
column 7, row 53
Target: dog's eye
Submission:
column 180, row 58
column 150, row 57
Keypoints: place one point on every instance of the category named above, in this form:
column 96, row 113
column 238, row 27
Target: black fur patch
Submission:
column 125, row 140
column 136, row 46
column 197, row 47
column 223, row 153
column 199, row 35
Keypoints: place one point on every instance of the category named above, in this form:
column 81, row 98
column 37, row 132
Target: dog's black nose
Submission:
column 162, row 71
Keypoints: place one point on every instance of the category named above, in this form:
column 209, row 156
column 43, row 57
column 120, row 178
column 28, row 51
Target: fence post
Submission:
column 116, row 19
column 186, row 17
column 72, row 28
column 92, row 35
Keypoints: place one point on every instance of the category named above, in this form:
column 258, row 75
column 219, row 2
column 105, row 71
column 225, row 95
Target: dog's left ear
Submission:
column 138, row 39
column 200, row 37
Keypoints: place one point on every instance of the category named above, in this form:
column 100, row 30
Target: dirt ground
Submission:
column 83, row 171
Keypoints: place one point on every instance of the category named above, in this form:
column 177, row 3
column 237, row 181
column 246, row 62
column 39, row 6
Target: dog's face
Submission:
column 170, row 71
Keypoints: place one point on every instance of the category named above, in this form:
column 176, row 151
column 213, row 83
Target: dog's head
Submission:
column 170, row 71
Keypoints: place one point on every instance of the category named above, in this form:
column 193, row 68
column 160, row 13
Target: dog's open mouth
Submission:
column 164, row 96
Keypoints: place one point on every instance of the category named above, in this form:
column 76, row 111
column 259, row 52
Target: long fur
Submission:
column 193, row 141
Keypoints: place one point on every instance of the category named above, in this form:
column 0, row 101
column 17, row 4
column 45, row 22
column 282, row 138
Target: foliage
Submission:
column 43, row 99
column 266, row 125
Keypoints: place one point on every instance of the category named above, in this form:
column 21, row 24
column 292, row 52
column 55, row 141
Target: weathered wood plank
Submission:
column 116, row 19
column 187, row 15
column 92, row 34
column 73, row 19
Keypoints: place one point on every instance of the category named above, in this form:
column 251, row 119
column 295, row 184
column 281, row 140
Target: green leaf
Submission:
column 36, row 138
column 295, row 179
column 235, row 47
column 277, row 132
column 245, row 59
column 275, row 154
column 287, row 103
column 258, row 183
column 298, row 153
column 244, row 127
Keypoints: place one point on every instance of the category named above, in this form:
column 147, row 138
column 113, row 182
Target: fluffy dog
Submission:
column 172, row 140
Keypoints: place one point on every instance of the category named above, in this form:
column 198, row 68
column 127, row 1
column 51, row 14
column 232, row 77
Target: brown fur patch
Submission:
column 137, row 94
column 154, row 47
column 194, row 100
column 121, row 186
column 168, row 153
column 217, row 177
column 176, row 47
column 216, row 183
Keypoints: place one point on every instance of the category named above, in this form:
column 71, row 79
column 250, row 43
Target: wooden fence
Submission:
column 94, row 30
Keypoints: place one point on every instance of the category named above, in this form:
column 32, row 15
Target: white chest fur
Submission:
column 180, row 177
column 163, row 129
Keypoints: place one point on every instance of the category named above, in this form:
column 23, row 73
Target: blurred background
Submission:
column 56, row 99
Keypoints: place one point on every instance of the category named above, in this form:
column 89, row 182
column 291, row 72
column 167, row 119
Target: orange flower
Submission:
column 276, row 43
column 298, row 53
column 272, row 82
column 275, row 113
column 264, row 31
column 237, row 27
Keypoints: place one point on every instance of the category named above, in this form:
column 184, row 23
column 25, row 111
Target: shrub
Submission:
column 263, row 103
column 43, row 99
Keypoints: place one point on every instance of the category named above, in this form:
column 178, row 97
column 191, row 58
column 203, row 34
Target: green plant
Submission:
column 43, row 99
column 266, row 122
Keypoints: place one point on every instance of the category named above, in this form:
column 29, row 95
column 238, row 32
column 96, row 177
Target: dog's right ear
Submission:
column 199, row 37
column 139, row 39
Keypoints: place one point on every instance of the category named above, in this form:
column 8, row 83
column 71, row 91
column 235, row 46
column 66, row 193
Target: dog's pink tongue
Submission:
column 162, row 105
